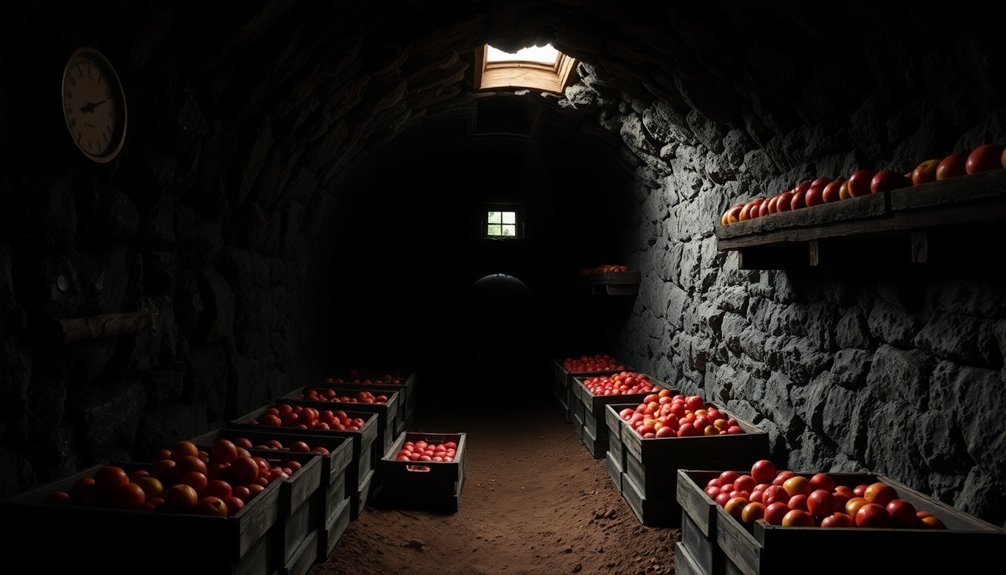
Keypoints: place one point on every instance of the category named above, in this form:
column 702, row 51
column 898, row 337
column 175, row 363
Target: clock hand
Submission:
column 89, row 107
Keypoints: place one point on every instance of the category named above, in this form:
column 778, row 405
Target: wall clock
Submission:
column 94, row 105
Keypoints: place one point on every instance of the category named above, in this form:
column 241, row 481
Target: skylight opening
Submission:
column 536, row 67
column 545, row 55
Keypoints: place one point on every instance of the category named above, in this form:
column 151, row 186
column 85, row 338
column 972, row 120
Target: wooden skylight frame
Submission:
column 522, row 74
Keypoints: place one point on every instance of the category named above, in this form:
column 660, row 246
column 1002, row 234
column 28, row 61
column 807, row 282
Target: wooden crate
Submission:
column 53, row 538
column 437, row 489
column 592, row 407
column 684, row 563
column 355, row 378
column 305, row 556
column 332, row 486
column 364, row 454
column 564, row 385
column 653, row 463
column 968, row 544
column 614, row 424
column 387, row 413
column 597, row 448
column 301, row 508
column 698, row 521
column 614, row 470
column 329, row 537
column 358, row 502
column 650, row 511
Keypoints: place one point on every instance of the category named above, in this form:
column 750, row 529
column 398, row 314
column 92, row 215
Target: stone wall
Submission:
column 897, row 371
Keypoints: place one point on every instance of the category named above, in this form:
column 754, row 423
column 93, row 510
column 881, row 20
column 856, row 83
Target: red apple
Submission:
column 763, row 209
column 772, row 204
column 774, row 512
column 814, row 196
column 797, row 518
column 799, row 196
column 952, row 166
column 821, row 503
column 984, row 158
column 837, row 520
column 887, row 180
column 785, row 201
column 902, row 514
column 732, row 215
column 843, row 191
column 872, row 515
column 763, row 471
column 880, row 493
column 859, row 490
column 822, row 481
column 832, row 192
column 798, row 501
column 925, row 172
column 213, row 506
column 773, row 494
column 859, row 183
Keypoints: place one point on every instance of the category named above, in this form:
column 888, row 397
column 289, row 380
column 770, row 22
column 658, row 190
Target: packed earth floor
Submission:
column 533, row 502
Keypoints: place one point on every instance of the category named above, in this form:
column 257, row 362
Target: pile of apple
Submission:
column 791, row 500
column 421, row 450
column 591, row 363
column 864, row 182
column 604, row 269
column 300, row 417
column 664, row 415
column 386, row 379
column 277, row 445
column 183, row 479
column 330, row 395
column 621, row 383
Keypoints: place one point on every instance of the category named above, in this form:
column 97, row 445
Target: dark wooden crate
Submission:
column 364, row 454
column 967, row 544
column 299, row 501
column 564, row 383
column 407, row 401
column 358, row 502
column 614, row 424
column 592, row 406
column 684, row 562
column 650, row 511
column 86, row 537
column 653, row 463
column 333, row 466
column 438, row 489
column 329, row 537
column 387, row 413
column 304, row 557
column 614, row 470
column 597, row 448
column 698, row 521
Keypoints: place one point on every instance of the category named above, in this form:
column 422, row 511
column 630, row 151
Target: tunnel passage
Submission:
column 253, row 130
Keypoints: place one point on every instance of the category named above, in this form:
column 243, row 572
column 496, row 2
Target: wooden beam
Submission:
column 99, row 326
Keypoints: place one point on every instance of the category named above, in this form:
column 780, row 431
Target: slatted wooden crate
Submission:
column 304, row 557
column 652, row 464
column 73, row 539
column 650, row 511
column 698, row 522
column 357, row 378
column 614, row 470
column 684, row 563
column 968, row 544
column 334, row 465
column 437, row 488
column 361, row 466
column 358, row 502
column 564, row 386
column 387, row 412
column 329, row 537
column 591, row 409
column 614, row 424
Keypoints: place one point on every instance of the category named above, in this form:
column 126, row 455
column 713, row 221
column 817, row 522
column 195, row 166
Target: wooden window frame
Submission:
column 522, row 74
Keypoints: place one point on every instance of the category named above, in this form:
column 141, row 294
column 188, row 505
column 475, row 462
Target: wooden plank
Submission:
column 871, row 206
column 614, row 470
column 694, row 501
column 684, row 563
column 704, row 550
column 329, row 537
column 964, row 189
column 304, row 557
column 650, row 511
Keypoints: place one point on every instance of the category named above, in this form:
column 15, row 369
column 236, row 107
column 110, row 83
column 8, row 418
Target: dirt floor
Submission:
column 534, row 502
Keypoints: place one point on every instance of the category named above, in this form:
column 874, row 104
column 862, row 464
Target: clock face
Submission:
column 94, row 105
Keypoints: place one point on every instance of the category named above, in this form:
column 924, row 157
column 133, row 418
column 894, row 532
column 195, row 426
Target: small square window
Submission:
column 501, row 223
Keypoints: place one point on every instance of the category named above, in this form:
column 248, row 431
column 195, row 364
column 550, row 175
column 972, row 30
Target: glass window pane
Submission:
column 494, row 230
column 494, row 217
column 509, row 217
column 509, row 230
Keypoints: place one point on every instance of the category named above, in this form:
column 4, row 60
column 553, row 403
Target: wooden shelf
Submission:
column 931, row 223
column 610, row 283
